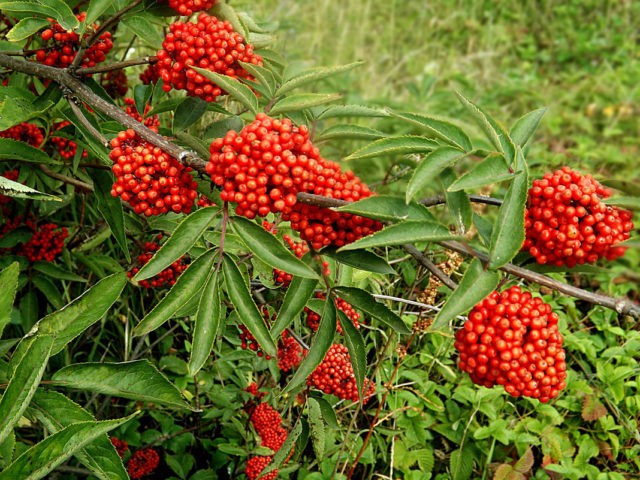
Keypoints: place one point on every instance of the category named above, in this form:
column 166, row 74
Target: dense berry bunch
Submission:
column 149, row 75
column 46, row 243
column 120, row 445
column 59, row 46
column 335, row 375
column 567, row 224
column 253, row 390
column 209, row 43
column 115, row 83
column 248, row 341
column 143, row 462
column 267, row 423
column 290, row 352
column 148, row 179
column 187, row 7
column 255, row 466
column 512, row 339
column 165, row 278
column 25, row 132
column 11, row 175
column 299, row 248
column 66, row 148
column 269, row 162
column 313, row 319
column 204, row 201
column 132, row 111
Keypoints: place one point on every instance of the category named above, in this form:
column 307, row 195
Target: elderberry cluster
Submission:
column 512, row 339
column 335, row 375
column 142, row 462
column 66, row 148
column 313, row 319
column 115, row 83
column 46, row 242
column 59, row 46
column 132, row 111
column 209, row 43
column 269, row 162
column 148, row 179
column 567, row 223
column 167, row 277
column 187, row 7
column 25, row 132
column 121, row 446
column 267, row 423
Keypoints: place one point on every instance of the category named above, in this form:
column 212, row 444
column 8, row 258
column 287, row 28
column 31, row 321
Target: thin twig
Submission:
column 85, row 121
column 429, row 265
column 440, row 199
column 117, row 65
column 65, row 179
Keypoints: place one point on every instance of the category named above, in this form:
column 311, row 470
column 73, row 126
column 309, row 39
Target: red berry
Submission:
column 187, row 7
column 255, row 466
column 143, row 462
column 120, row 445
column 25, row 132
column 165, row 278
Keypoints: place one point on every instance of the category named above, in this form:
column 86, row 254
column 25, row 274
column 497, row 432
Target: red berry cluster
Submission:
column 567, row 224
column 59, row 46
column 204, row 201
column 248, row 341
column 149, row 75
column 46, row 243
column 255, row 466
column 132, row 111
column 300, row 249
column 165, row 278
column 267, row 422
column 187, row 7
column 115, row 83
column 313, row 319
column 209, row 43
column 262, row 169
column 11, row 175
column 335, row 375
column 143, row 462
column 290, row 352
column 120, row 445
column 66, row 147
column 148, row 179
column 253, row 390
column 512, row 339
column 25, row 132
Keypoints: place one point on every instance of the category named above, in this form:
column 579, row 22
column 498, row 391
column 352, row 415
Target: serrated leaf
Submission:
column 186, row 286
column 492, row 169
column 388, row 208
column 507, row 472
column 320, row 345
column 263, row 75
column 631, row 188
column 181, row 240
column 338, row 111
column 137, row 380
column 225, row 11
column 26, row 27
column 96, row 8
column 55, row 412
column 362, row 260
column 9, row 282
column 143, row 26
column 53, row 8
column 285, row 450
column 430, row 167
column 401, row 233
column 14, row 150
column 425, row 459
column 494, row 131
column 458, row 203
column 300, row 101
column 476, row 284
column 460, row 465
column 27, row 372
column 363, row 300
column 246, row 308
column 401, row 145
column 525, row 463
column 299, row 291
column 357, row 353
column 18, row 190
column 233, row 87
column 6, row 450
column 593, row 409
column 314, row 74
column 111, row 208
column 267, row 248
column 630, row 203
column 525, row 126
column 328, row 413
column 49, row 290
column 447, row 131
column 316, row 426
column 189, row 111
column 354, row 132
column 207, row 324
column 508, row 232
column 59, row 273
column 45, row 456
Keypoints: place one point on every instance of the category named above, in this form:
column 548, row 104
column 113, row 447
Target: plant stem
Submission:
column 117, row 65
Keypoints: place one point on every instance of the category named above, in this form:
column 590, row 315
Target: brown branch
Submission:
column 429, row 265
column 117, row 65
column 65, row 179
column 111, row 21
column 85, row 121
column 440, row 199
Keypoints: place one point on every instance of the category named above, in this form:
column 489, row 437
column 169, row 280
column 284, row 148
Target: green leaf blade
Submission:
column 444, row 130
column 207, row 324
column 401, row 145
column 526, row 126
column 301, row 101
column 363, row 300
column 357, row 353
column 298, row 293
column 233, row 87
column 429, row 169
column 401, row 233
column 9, row 281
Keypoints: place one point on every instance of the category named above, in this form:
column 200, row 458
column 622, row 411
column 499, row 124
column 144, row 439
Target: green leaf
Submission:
column 362, row 260
column 233, row 87
column 300, row 101
column 207, row 324
column 476, row 284
column 55, row 412
column 285, row 450
column 628, row 187
column 96, row 8
column 262, row 75
column 69, row 322
column 442, row 129
column 6, row 450
column 525, row 126
column 458, row 203
column 316, row 426
column 355, row 132
column 181, row 240
column 314, row 74
column 494, row 132
column 387, row 208
column 328, row 413
column 18, row 190
column 9, row 282
column 508, row 233
column 54, row 8
column 267, row 248
column 299, row 291
column 492, row 169
column 363, row 300
column 246, row 308
column 320, row 344
column 401, row 145
column 401, row 233
column 525, row 463
column 143, row 26
column 137, row 380
column 45, row 456
column 14, row 150
column 425, row 459
column 357, row 353
column 63, row 14
column 225, row 11
column 110, row 208
column 49, row 290
column 54, row 271
column 340, row 111
column 630, row 203
column 430, row 167
column 461, row 464
column 188, row 112
column 26, row 27
column 186, row 286
column 28, row 371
